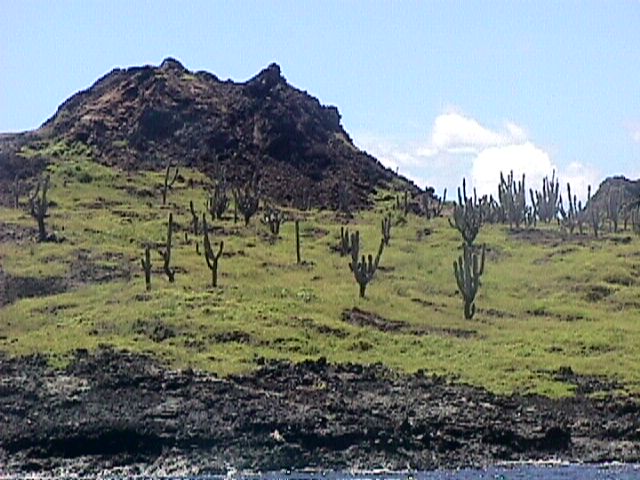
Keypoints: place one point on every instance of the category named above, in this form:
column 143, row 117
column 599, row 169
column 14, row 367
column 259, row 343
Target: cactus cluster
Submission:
column 513, row 200
column 218, row 201
column 431, row 205
column 546, row 203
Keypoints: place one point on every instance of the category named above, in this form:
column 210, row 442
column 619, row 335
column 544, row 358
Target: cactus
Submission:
column 146, row 266
column 614, row 207
column 512, row 199
column 545, row 203
column 166, row 254
column 194, row 218
column 365, row 269
column 218, row 201
column 211, row 258
column 273, row 218
column 297, row 229
column 345, row 245
column 39, row 205
column 402, row 203
column 467, row 273
column 16, row 192
column 386, row 230
column 168, row 183
column 431, row 205
column 575, row 213
column 467, row 215
column 344, row 198
column 247, row 200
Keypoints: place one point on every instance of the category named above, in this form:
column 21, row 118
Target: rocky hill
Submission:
column 141, row 117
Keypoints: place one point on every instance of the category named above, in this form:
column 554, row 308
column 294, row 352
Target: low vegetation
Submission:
column 549, row 299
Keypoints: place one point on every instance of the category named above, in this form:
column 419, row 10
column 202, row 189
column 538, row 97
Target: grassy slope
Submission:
column 536, row 309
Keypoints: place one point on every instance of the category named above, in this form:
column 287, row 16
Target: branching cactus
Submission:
column 545, row 203
column 194, row 218
column 211, row 257
column 512, row 198
column 146, row 266
column 431, row 205
column 364, row 269
column 218, row 201
column 467, row 215
column 168, row 183
column 166, row 254
column 386, row 230
column 273, row 218
column 467, row 271
column 39, row 205
column 345, row 242
column 247, row 201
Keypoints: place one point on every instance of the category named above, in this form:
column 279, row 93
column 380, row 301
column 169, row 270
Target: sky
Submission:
column 439, row 90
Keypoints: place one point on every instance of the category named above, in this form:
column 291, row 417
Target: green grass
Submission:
column 542, row 305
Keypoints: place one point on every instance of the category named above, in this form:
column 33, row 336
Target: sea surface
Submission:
column 515, row 472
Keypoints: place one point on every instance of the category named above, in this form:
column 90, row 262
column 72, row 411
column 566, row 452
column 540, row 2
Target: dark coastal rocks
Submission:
column 115, row 410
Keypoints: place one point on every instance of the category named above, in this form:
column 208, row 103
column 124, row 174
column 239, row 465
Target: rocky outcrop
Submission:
column 141, row 116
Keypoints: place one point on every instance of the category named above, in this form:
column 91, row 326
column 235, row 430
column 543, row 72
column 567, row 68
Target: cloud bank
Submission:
column 460, row 146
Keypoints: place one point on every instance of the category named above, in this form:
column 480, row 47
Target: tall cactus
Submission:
column 16, row 192
column 166, row 254
column 431, row 205
column 614, row 207
column 467, row 272
column 467, row 215
column 247, row 200
column 211, row 258
column 345, row 242
column 168, row 183
column 39, row 205
column 386, row 229
column 512, row 198
column 273, row 218
column 545, row 203
column 194, row 218
column 146, row 266
column 218, row 201
column 364, row 269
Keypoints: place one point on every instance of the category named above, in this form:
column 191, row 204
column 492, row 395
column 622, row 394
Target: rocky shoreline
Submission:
column 121, row 413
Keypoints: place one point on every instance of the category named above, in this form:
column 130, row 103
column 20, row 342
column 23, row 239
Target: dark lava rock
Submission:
column 111, row 409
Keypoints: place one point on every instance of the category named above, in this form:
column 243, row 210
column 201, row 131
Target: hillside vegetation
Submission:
column 548, row 300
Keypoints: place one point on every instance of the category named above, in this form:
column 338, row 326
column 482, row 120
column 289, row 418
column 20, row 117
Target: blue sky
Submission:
column 437, row 89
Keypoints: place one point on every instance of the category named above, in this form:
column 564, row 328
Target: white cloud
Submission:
column 634, row 130
column 526, row 158
column 460, row 146
column 454, row 132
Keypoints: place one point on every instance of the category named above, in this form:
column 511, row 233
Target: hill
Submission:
column 143, row 117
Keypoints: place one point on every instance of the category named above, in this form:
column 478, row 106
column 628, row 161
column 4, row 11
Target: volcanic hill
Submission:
column 142, row 117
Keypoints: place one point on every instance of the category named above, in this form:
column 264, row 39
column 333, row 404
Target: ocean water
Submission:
column 516, row 472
